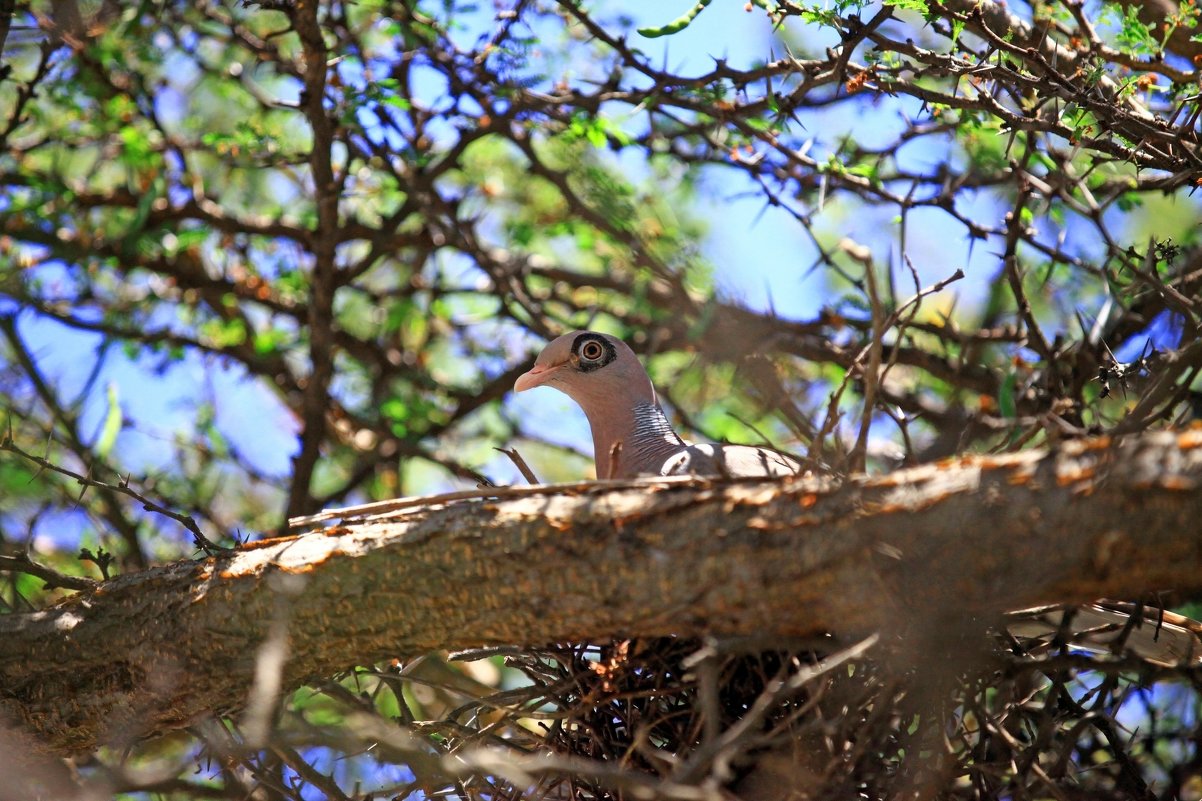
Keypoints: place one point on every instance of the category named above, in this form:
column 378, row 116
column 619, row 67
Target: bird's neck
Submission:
column 644, row 434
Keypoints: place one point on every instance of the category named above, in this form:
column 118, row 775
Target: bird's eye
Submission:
column 591, row 351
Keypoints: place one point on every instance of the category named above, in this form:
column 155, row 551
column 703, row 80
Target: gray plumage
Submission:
column 1157, row 635
column 605, row 378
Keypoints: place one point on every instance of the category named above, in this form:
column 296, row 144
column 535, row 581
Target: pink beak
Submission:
column 536, row 376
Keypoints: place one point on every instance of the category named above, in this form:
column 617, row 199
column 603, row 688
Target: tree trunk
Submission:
column 960, row 541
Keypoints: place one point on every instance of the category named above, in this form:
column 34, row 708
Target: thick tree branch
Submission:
column 323, row 281
column 957, row 542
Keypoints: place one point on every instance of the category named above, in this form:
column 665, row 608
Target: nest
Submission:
column 679, row 718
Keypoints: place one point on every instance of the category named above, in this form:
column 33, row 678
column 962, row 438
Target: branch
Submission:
column 7, row 7
column 198, row 538
column 23, row 563
column 953, row 543
column 324, row 279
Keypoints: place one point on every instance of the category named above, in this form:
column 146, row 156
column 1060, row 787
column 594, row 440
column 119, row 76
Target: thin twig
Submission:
column 857, row 459
column 23, row 563
column 521, row 465
column 422, row 501
column 722, row 750
column 615, row 453
column 198, row 537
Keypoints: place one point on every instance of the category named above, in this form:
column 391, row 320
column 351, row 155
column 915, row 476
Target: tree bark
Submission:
column 962, row 541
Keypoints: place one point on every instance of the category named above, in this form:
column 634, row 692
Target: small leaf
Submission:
column 269, row 341
column 910, row 5
column 677, row 25
column 112, row 424
column 1005, row 397
column 395, row 410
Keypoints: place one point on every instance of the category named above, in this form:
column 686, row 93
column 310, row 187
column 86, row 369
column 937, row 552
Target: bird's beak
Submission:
column 536, row 376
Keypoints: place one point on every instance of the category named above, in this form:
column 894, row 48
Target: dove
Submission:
column 605, row 378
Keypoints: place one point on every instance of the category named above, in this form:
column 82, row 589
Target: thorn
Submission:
column 614, row 453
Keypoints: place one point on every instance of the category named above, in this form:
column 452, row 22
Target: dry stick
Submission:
column 915, row 305
column 198, row 538
column 397, row 504
column 833, row 415
column 1165, row 386
column 853, row 40
column 23, row 563
column 643, row 255
column 306, row 771
column 614, row 454
column 858, row 458
column 764, row 440
column 68, row 421
column 1017, row 39
column 524, row 769
column 1172, row 297
column 721, row 751
column 704, row 665
column 1039, row 342
column 521, row 465
column 900, row 419
column 420, row 502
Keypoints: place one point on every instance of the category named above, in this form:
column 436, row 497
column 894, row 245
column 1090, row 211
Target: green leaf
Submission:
column 1134, row 37
column 145, row 204
column 112, row 424
column 188, row 238
column 269, row 341
column 394, row 409
column 677, row 25
column 1005, row 397
column 910, row 5
column 136, row 149
column 819, row 16
column 225, row 333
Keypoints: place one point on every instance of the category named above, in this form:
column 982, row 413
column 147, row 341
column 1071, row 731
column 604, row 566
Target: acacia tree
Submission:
column 355, row 222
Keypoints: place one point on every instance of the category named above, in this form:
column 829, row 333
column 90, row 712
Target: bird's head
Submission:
column 595, row 370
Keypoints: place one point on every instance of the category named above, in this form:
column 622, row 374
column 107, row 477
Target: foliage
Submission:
column 299, row 252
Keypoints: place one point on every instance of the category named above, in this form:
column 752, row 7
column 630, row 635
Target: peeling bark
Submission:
column 962, row 540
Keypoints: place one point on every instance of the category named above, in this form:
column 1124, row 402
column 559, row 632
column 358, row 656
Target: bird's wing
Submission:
column 1161, row 637
column 733, row 461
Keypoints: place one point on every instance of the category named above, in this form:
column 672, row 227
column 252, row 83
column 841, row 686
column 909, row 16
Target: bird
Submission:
column 631, row 434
